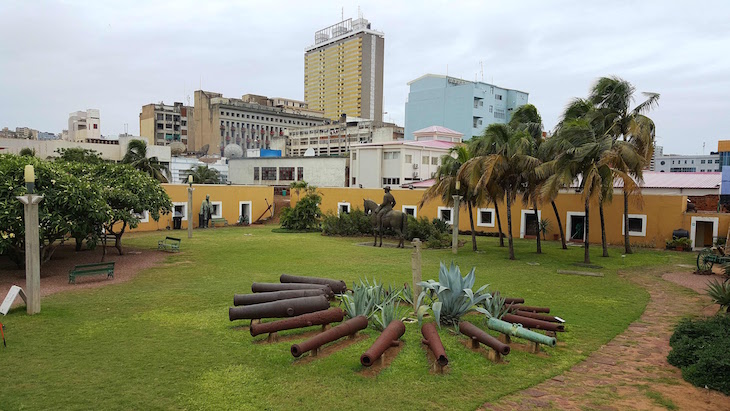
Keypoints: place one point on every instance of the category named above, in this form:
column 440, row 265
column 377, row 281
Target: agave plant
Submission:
column 494, row 307
column 451, row 297
column 720, row 293
column 365, row 298
column 407, row 294
column 389, row 310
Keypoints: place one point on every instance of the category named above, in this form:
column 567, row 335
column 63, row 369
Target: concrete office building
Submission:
column 282, row 171
column 83, row 125
column 401, row 162
column 462, row 105
column 162, row 124
column 343, row 71
column 250, row 122
column 335, row 139
column 180, row 167
column 680, row 163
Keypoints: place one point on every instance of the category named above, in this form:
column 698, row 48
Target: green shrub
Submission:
column 305, row 215
column 434, row 234
column 700, row 349
column 353, row 223
column 720, row 293
column 683, row 242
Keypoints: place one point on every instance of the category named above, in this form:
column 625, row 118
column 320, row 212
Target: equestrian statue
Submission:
column 383, row 216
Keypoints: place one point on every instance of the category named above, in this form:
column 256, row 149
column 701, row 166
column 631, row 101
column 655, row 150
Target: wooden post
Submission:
column 505, row 338
column 32, row 253
column 273, row 337
column 474, row 344
column 190, row 211
column 494, row 356
column 416, row 270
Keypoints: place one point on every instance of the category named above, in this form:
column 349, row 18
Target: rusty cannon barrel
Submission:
column 279, row 309
column 258, row 298
column 333, row 315
column 388, row 338
column 513, row 300
column 542, row 317
column 544, row 310
column 338, row 286
column 349, row 327
column 269, row 287
column 433, row 340
column 533, row 323
column 476, row 334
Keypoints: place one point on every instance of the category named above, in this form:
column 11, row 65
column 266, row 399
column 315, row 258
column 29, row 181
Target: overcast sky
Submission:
column 63, row 56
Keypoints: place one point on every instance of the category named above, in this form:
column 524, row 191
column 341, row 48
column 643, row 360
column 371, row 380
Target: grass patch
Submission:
column 163, row 339
column 660, row 400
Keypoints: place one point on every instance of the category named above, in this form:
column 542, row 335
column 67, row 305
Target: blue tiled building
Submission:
column 462, row 105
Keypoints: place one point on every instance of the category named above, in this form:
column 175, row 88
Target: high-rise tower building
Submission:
column 343, row 71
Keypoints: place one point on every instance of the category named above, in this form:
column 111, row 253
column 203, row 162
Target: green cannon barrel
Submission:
column 518, row 331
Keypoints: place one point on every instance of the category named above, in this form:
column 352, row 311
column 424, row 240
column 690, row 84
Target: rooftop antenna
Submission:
column 447, row 69
column 481, row 65
column 343, row 14
column 359, row 13
column 703, row 148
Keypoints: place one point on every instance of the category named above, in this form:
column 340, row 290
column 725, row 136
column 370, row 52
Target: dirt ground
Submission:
column 631, row 372
column 54, row 273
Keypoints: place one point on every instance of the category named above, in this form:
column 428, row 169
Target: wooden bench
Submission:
column 91, row 269
column 214, row 221
column 169, row 244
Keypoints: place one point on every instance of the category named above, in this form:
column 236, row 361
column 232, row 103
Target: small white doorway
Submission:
column 704, row 231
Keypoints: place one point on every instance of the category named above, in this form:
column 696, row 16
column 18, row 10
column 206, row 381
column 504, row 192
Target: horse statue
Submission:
column 396, row 220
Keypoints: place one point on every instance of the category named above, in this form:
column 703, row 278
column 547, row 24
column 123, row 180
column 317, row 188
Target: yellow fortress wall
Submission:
column 662, row 213
column 228, row 197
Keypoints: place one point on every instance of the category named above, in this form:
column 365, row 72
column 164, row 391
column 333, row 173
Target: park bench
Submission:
column 91, row 269
column 214, row 221
column 169, row 244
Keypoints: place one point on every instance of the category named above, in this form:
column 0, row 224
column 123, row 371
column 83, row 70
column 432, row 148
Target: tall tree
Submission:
column 136, row 156
column 614, row 97
column 445, row 186
column 510, row 155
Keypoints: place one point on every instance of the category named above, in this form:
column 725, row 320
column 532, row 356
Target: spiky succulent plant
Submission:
column 720, row 293
column 452, row 296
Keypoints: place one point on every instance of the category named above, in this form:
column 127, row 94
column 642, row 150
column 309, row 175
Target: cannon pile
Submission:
column 303, row 302
column 299, row 302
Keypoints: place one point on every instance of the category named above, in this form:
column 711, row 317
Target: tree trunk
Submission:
column 471, row 223
column 499, row 224
column 560, row 225
column 79, row 243
column 587, row 256
column 509, row 228
column 627, row 244
column 603, row 230
column 537, row 226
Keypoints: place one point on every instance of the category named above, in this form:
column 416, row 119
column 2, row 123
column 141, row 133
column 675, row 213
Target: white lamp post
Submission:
column 32, row 243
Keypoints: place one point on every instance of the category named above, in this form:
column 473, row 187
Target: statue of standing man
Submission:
column 206, row 209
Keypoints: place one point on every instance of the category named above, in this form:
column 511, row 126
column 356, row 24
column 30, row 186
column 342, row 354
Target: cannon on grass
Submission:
column 325, row 317
column 521, row 307
column 338, row 286
column 258, row 298
column 279, row 309
column 533, row 323
column 477, row 336
column 709, row 256
column 388, row 338
column 349, row 327
column 270, row 287
column 518, row 331
column 432, row 339
column 537, row 316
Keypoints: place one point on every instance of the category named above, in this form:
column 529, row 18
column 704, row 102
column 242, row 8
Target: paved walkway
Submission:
column 631, row 371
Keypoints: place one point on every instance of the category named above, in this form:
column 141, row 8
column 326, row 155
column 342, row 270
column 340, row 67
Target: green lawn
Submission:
column 164, row 341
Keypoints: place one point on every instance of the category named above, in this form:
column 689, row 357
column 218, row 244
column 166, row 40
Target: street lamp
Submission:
column 32, row 243
column 455, row 226
column 190, row 206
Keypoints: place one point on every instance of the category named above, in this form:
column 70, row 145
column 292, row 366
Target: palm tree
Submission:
column 526, row 118
column 510, row 155
column 205, row 175
column 445, row 186
column 614, row 96
column 480, row 147
column 136, row 156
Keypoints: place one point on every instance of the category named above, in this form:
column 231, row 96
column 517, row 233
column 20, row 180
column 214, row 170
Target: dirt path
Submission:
column 631, row 371
column 54, row 274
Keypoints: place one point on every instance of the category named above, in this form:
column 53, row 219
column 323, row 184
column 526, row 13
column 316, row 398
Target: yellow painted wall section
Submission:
column 723, row 145
column 664, row 213
column 229, row 196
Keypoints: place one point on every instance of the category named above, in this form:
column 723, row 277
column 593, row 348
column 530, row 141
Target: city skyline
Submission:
column 82, row 55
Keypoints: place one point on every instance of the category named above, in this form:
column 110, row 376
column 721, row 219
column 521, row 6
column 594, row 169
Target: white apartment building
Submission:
column 83, row 125
column 282, row 171
column 335, row 139
column 375, row 165
column 676, row 163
